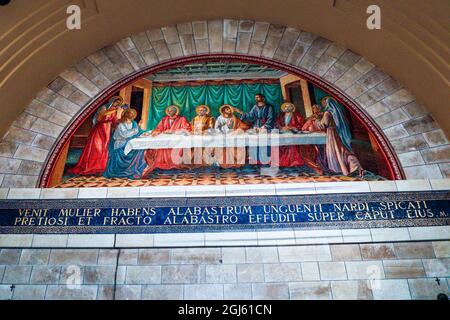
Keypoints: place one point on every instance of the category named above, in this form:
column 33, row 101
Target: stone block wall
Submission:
column 392, row 270
column 421, row 145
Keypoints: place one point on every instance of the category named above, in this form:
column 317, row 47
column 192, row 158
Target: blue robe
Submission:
column 260, row 117
column 130, row 166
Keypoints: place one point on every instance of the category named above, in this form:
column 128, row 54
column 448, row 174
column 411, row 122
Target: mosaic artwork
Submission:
column 219, row 123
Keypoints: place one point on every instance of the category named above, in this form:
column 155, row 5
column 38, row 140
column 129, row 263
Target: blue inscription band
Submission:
column 370, row 210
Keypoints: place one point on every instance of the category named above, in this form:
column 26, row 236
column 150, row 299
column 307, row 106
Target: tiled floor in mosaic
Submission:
column 214, row 176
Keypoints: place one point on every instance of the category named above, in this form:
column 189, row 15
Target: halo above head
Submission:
column 285, row 105
column 115, row 98
column 131, row 113
column 178, row 109
column 208, row 109
column 225, row 106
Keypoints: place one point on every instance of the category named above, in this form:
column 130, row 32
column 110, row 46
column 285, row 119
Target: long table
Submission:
column 178, row 141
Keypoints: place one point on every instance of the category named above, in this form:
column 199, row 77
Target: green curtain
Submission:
column 241, row 96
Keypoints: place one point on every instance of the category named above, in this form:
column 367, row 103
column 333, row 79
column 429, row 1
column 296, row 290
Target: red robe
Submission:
column 94, row 158
column 290, row 156
column 162, row 158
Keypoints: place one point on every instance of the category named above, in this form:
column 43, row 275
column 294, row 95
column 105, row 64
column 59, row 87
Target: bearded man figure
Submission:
column 228, row 123
column 201, row 124
column 166, row 159
column 289, row 120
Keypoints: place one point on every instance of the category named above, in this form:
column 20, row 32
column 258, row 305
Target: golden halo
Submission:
column 167, row 109
column 285, row 105
column 116, row 98
column 132, row 113
column 208, row 109
column 225, row 106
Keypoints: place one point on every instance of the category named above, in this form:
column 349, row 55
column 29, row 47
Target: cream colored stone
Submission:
column 286, row 189
column 92, row 193
column 427, row 289
column 351, row 290
column 179, row 240
column 413, row 185
column 441, row 249
column 154, row 256
column 397, row 269
column 250, row 273
column 120, row 192
column 414, row 250
column 341, row 187
column 90, row 241
column 15, row 240
column 59, row 193
column 162, row 292
column 391, row 290
column 50, row 240
column 282, row 272
column 129, row 292
column 29, row 292
column 304, row 253
column 429, row 233
column 356, row 235
column 390, row 234
column 310, row 271
column 162, row 192
column 382, row 186
column 310, row 290
column 134, row 240
column 233, row 255
column 345, row 252
column 278, row 238
column 203, row 292
column 226, row 273
column 362, row 270
column 231, row 239
column 62, row 292
column 182, row 274
column 196, row 256
column 30, row 153
column 377, row 251
column 332, row 271
column 318, row 236
column 437, row 267
column 143, row 275
column 237, row 292
column 69, row 257
column 440, row 184
column 270, row 291
column 23, row 193
column 261, row 255
column 250, row 190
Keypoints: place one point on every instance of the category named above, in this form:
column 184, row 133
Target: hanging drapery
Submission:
column 241, row 96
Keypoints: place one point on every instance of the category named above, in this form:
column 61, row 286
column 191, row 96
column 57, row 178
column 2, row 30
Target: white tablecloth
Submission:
column 169, row 141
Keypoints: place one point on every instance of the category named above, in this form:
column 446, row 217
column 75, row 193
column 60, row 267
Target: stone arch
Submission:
column 418, row 141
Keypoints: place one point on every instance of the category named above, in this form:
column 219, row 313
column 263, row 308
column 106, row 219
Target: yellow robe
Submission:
column 202, row 156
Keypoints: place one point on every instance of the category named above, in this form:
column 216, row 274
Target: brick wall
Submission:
column 399, row 270
column 421, row 145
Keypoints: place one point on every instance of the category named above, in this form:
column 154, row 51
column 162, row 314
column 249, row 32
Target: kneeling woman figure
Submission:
column 121, row 165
